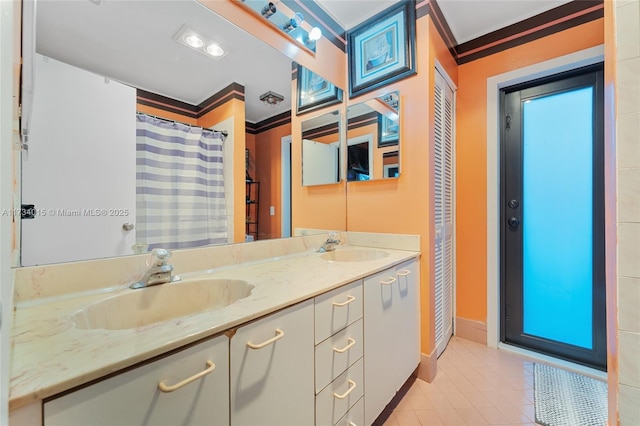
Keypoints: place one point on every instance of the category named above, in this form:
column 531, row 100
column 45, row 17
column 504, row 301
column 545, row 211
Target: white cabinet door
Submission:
column 391, row 333
column 134, row 397
column 407, row 320
column 272, row 369
column 379, row 358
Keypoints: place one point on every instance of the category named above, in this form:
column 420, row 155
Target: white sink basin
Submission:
column 353, row 255
column 158, row 303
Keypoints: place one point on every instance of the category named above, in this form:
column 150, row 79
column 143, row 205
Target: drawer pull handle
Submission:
column 404, row 273
column 352, row 386
column 346, row 348
column 279, row 335
column 389, row 281
column 350, row 299
column 352, row 424
column 170, row 388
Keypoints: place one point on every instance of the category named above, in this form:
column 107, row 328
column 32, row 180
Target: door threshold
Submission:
column 555, row 362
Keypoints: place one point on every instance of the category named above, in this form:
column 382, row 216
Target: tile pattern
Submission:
column 475, row 385
column 627, row 27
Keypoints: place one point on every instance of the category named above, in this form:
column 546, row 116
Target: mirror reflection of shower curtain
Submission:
column 180, row 196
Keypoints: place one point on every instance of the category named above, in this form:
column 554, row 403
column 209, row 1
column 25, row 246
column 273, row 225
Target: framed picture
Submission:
column 388, row 131
column 315, row 92
column 381, row 50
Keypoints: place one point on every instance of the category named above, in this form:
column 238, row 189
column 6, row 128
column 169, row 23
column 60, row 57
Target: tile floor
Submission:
column 475, row 385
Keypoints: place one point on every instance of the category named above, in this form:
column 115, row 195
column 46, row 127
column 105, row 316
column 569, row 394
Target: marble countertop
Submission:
column 50, row 354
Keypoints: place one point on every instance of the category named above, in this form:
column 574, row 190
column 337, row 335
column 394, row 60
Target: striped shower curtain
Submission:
column 179, row 185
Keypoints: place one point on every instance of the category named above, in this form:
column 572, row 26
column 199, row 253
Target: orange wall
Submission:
column 404, row 205
column 471, row 145
column 166, row 114
column 268, row 147
column 234, row 108
column 322, row 206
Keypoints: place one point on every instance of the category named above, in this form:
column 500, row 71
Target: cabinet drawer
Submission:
column 134, row 397
column 337, row 353
column 337, row 309
column 337, row 398
column 355, row 416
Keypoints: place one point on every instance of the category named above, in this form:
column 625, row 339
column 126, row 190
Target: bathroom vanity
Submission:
column 300, row 338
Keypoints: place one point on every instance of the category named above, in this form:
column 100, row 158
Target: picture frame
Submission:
column 381, row 50
column 314, row 92
column 388, row 131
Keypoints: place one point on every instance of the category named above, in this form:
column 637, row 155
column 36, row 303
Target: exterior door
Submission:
column 552, row 217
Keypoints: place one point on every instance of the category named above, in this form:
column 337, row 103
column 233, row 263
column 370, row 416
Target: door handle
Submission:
column 513, row 222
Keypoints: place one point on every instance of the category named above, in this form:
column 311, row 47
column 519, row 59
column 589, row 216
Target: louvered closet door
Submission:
column 443, row 214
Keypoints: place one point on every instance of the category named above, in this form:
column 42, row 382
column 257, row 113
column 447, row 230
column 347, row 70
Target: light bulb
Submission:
column 294, row 22
column 194, row 41
column 214, row 50
column 315, row 34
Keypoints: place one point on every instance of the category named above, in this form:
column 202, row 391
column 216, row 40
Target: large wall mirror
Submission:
column 321, row 142
column 99, row 63
column 373, row 139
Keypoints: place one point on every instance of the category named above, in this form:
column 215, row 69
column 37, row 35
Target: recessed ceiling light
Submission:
column 214, row 50
column 194, row 41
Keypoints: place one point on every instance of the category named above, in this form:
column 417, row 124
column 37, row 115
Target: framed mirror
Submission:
column 321, row 142
column 373, row 139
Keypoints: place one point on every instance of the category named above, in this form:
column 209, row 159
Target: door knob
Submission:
column 513, row 222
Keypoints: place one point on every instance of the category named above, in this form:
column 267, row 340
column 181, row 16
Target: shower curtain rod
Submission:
column 224, row 132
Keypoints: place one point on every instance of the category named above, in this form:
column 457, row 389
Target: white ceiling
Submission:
column 470, row 19
column 132, row 42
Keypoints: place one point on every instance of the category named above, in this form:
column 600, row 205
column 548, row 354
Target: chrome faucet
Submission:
column 159, row 272
column 330, row 244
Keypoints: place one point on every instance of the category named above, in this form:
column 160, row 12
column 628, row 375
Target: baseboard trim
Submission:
column 428, row 367
column 476, row 331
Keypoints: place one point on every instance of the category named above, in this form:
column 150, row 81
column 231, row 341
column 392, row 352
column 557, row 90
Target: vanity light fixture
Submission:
column 294, row 22
column 271, row 98
column 268, row 10
column 195, row 41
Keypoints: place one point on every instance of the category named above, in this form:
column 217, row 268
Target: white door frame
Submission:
column 285, row 191
column 494, row 84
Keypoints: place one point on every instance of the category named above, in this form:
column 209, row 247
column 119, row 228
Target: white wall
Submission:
column 627, row 19
column 8, row 63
